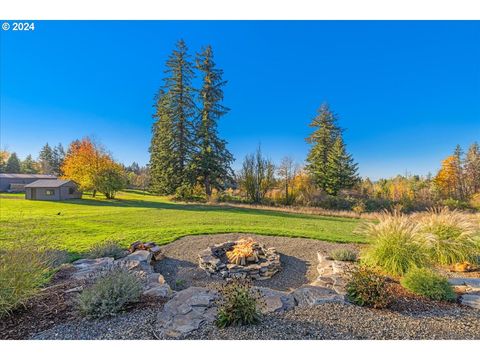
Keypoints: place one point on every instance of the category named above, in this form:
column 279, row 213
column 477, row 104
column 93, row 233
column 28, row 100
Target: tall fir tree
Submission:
column 28, row 166
column 13, row 164
column 322, row 140
column 45, row 160
column 211, row 165
column 162, row 160
column 341, row 170
column 58, row 155
column 173, row 132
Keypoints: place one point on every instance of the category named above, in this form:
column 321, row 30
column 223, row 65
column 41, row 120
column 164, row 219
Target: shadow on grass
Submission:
column 146, row 204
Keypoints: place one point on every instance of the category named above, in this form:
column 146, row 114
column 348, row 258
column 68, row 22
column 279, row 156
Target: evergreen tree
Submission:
column 341, row 170
column 13, row 164
column 173, row 132
column 45, row 160
column 28, row 166
column 322, row 140
column 460, row 190
column 58, row 155
column 162, row 158
column 211, row 162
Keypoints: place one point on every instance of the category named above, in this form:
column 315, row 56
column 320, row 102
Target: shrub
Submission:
column 109, row 294
column 238, row 304
column 451, row 237
column 107, row 248
column 395, row 245
column 427, row 283
column 343, row 255
column 23, row 269
column 367, row 288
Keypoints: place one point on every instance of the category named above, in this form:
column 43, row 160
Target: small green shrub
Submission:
column 23, row 270
column 238, row 304
column 107, row 248
column 395, row 244
column 109, row 294
column 451, row 237
column 427, row 283
column 343, row 255
column 367, row 288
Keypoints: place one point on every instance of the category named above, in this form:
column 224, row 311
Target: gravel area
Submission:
column 133, row 325
column 337, row 322
column 297, row 255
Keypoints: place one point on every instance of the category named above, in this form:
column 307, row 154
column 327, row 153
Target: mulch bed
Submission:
column 49, row 307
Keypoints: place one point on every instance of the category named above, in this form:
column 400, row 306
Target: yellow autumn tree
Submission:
column 92, row 168
column 447, row 177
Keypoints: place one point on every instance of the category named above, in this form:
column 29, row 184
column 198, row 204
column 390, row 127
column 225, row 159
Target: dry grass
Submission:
column 308, row 210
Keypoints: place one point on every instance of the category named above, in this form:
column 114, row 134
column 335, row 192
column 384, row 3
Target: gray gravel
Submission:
column 297, row 255
column 336, row 322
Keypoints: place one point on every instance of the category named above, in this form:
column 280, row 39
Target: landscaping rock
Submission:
column 470, row 300
column 88, row 268
column 332, row 274
column 187, row 311
column 308, row 295
column 144, row 256
column 472, row 284
column 275, row 301
column 160, row 291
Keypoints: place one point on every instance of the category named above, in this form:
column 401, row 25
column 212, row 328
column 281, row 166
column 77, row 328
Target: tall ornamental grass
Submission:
column 450, row 236
column 24, row 268
column 395, row 245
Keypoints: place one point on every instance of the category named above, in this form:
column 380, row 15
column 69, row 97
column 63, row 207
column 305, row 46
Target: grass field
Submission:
column 77, row 224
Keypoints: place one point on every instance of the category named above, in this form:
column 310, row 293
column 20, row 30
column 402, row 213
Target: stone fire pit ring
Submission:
column 215, row 262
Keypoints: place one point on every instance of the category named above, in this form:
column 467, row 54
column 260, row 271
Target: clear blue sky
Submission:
column 407, row 92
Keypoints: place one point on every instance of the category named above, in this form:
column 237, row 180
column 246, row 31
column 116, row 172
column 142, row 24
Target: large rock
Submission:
column 308, row 295
column 471, row 284
column 187, row 311
column 470, row 300
column 332, row 274
column 274, row 300
column 88, row 268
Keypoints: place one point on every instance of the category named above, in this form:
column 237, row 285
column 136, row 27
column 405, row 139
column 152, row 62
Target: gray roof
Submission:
column 47, row 183
column 27, row 176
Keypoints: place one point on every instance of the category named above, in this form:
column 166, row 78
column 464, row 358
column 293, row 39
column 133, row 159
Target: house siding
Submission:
column 60, row 193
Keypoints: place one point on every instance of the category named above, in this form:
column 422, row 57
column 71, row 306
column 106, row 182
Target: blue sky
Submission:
column 406, row 92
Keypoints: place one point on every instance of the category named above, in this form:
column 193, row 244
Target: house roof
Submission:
column 27, row 176
column 47, row 183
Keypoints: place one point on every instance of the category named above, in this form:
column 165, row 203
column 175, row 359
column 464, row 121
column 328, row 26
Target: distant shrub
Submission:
column 395, row 244
column 188, row 193
column 343, row 255
column 336, row 202
column 451, row 237
column 23, row 270
column 238, row 304
column 427, row 283
column 365, row 287
column 109, row 294
column 454, row 204
column 475, row 201
column 107, row 248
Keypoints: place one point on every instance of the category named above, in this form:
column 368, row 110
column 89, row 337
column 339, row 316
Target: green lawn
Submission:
column 134, row 216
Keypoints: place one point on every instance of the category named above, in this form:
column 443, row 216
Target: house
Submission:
column 17, row 182
column 52, row 190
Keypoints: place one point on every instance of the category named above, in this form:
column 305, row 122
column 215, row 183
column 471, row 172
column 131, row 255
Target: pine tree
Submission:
column 162, row 158
column 13, row 164
column 58, row 155
column 212, row 160
column 173, row 132
column 28, row 166
column 460, row 190
column 322, row 140
column 341, row 170
column 45, row 160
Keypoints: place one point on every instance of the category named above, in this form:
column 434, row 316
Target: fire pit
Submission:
column 240, row 259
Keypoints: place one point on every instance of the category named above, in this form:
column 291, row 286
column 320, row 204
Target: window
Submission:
column 71, row 190
column 50, row 192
